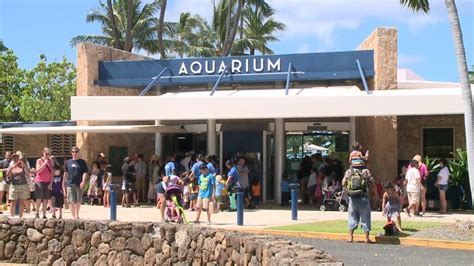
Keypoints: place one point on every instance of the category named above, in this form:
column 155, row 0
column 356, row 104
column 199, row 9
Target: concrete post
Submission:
column 264, row 167
column 158, row 141
column 352, row 132
column 280, row 145
column 211, row 137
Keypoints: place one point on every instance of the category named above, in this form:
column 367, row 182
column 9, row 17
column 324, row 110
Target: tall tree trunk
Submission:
column 161, row 23
column 465, row 87
column 128, row 33
column 233, row 29
column 227, row 28
column 116, row 34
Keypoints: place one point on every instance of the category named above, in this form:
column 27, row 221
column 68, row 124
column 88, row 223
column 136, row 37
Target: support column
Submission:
column 264, row 166
column 211, row 137
column 158, row 140
column 352, row 132
column 279, row 157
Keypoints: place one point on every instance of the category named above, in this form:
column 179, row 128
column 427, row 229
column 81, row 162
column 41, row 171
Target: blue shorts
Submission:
column 443, row 187
column 359, row 211
column 194, row 196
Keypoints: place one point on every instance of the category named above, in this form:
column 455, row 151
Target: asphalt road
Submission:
column 381, row 254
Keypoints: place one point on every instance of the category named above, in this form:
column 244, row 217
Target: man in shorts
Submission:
column 207, row 193
column 4, row 188
column 75, row 176
column 359, row 204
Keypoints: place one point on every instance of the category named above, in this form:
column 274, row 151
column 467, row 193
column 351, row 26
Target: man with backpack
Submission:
column 356, row 182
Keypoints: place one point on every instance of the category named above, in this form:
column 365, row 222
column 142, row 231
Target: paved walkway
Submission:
column 259, row 218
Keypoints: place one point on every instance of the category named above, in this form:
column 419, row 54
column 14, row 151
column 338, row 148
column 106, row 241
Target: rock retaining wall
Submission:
column 70, row 242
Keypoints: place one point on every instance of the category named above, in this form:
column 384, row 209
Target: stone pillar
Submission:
column 211, row 137
column 158, row 141
column 264, row 166
column 280, row 147
column 379, row 134
column 352, row 132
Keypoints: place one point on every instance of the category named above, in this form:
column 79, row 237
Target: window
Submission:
column 61, row 144
column 438, row 142
column 7, row 144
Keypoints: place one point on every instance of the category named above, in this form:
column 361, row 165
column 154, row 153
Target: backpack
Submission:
column 357, row 183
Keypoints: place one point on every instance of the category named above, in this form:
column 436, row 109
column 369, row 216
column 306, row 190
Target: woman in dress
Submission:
column 93, row 192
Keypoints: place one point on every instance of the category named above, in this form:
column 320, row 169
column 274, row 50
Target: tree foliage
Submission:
column 40, row 94
column 2, row 46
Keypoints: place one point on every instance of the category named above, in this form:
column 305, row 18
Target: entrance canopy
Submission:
column 88, row 129
column 270, row 104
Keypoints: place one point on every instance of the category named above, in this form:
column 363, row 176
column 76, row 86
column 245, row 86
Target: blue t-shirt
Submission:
column 219, row 188
column 285, row 186
column 195, row 168
column 169, row 167
column 234, row 173
column 206, row 183
column 211, row 168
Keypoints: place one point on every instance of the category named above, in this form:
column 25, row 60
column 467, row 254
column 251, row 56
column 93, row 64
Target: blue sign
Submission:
column 237, row 69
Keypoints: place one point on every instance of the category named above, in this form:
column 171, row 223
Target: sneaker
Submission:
column 407, row 212
column 44, row 217
column 37, row 216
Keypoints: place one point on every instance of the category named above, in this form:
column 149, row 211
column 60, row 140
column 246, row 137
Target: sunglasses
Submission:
column 74, row 151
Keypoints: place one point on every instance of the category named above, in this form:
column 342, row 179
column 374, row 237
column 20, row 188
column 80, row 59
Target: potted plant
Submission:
column 459, row 190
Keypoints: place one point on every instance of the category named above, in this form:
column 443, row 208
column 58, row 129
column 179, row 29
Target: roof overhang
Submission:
column 89, row 129
column 258, row 104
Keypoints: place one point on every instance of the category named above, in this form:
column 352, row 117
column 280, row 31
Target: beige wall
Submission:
column 379, row 134
column 410, row 132
column 88, row 56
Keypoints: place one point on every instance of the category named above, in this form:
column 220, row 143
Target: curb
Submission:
column 420, row 242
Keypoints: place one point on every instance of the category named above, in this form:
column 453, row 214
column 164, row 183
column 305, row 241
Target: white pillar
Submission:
column 280, row 145
column 158, row 141
column 352, row 132
column 264, row 168
column 211, row 137
column 221, row 153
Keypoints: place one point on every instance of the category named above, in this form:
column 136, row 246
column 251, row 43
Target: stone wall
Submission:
column 31, row 145
column 410, row 132
column 88, row 57
column 70, row 242
column 379, row 134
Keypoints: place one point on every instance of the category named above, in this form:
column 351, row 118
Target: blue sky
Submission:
column 33, row 27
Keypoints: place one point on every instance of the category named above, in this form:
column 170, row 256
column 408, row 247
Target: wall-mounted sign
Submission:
column 238, row 69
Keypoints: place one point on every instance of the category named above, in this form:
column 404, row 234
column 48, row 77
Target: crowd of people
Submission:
column 52, row 185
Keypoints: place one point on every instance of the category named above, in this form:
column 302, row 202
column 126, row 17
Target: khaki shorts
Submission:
column 4, row 186
column 203, row 203
column 74, row 194
column 140, row 184
column 19, row 192
column 413, row 198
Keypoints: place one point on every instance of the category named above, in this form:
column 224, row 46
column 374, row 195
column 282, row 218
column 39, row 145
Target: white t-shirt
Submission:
column 444, row 176
column 312, row 179
column 412, row 175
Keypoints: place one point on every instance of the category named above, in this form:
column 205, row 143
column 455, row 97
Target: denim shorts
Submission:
column 359, row 211
column 443, row 187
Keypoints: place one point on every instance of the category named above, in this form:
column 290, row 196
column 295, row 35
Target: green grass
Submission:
column 340, row 226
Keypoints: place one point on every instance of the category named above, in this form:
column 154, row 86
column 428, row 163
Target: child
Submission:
column 207, row 193
column 57, row 194
column 285, row 190
column 391, row 206
column 256, row 192
column 93, row 191
column 106, row 185
column 220, row 185
column 32, row 200
column 356, row 158
column 194, row 188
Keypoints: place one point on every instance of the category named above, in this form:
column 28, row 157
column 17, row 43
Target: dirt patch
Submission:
column 460, row 231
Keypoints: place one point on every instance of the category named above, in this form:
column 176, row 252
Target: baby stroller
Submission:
column 174, row 211
column 334, row 197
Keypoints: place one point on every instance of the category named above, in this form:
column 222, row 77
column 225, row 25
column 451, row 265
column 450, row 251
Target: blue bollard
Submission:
column 17, row 208
column 113, row 202
column 294, row 200
column 240, row 205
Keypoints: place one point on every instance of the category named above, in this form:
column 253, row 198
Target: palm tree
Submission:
column 161, row 22
column 3, row 48
column 132, row 24
column 424, row 6
column 258, row 28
